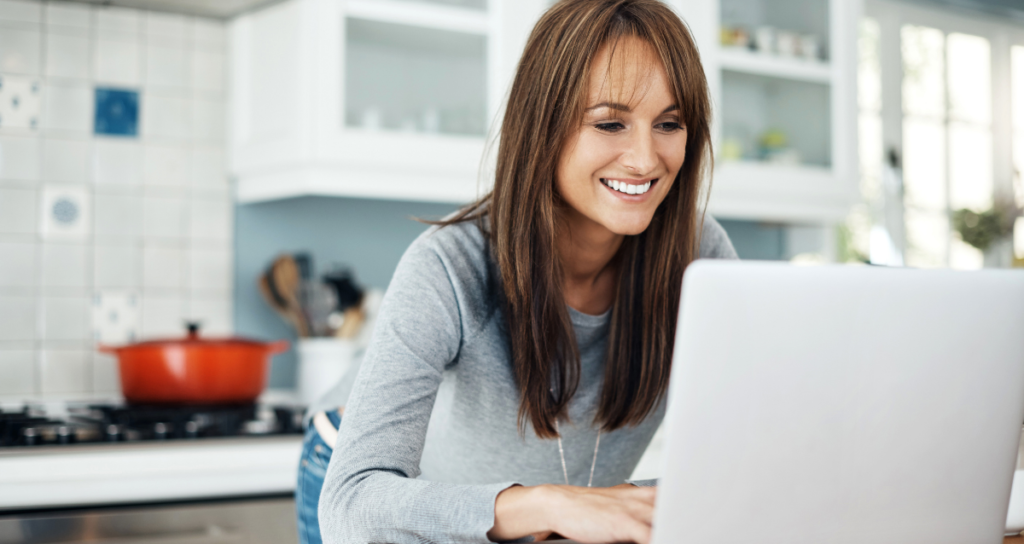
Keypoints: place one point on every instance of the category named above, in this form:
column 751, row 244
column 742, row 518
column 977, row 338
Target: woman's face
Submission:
column 621, row 163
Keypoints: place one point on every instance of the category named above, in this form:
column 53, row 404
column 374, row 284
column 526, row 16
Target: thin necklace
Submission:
column 561, row 453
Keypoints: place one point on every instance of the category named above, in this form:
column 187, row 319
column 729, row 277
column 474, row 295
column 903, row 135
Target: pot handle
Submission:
column 103, row 348
column 280, row 346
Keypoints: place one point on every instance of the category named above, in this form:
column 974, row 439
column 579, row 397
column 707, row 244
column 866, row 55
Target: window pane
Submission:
column 963, row 256
column 869, row 72
column 1017, row 54
column 970, row 167
column 924, row 78
column 927, row 238
column 970, row 78
column 924, row 163
column 870, row 156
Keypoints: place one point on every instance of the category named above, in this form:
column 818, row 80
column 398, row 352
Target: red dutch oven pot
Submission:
column 193, row 369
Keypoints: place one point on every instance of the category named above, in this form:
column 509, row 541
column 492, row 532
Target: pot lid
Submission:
column 192, row 338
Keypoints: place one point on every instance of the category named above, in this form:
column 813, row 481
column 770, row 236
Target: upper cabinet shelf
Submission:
column 370, row 98
column 744, row 60
column 782, row 74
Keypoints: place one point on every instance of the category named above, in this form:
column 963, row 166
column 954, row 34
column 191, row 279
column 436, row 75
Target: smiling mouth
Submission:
column 628, row 189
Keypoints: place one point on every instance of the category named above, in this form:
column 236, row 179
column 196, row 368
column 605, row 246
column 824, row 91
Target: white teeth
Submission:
column 626, row 188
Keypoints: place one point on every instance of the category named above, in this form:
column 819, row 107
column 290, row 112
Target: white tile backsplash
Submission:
column 162, row 267
column 166, row 117
column 66, row 318
column 117, row 266
column 18, row 319
column 65, row 371
column 163, row 316
column 118, row 217
column 208, row 34
column 67, row 107
column 24, row 11
column 19, row 158
column 66, row 160
column 208, row 71
column 68, row 56
column 213, row 314
column 18, row 370
column 165, row 165
column 210, row 270
column 68, row 14
column 117, row 163
column 21, row 51
column 118, row 62
column 167, row 68
column 65, row 212
column 18, row 266
column 209, row 169
column 20, row 103
column 157, row 206
column 207, row 120
column 165, row 28
column 210, row 220
column 65, row 265
column 105, row 375
column 119, row 22
column 17, row 212
column 163, row 217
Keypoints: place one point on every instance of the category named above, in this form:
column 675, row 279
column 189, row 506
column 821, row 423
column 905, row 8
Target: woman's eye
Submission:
column 670, row 126
column 610, row 127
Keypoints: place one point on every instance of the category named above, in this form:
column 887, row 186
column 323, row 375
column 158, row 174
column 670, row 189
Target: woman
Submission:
column 521, row 356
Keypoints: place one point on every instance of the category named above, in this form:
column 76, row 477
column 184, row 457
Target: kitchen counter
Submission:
column 99, row 474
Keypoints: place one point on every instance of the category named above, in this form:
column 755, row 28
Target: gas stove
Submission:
column 68, row 424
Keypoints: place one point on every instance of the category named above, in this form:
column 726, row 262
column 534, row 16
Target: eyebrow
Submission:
column 625, row 108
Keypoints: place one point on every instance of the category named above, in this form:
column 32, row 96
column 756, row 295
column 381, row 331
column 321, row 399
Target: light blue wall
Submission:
column 369, row 236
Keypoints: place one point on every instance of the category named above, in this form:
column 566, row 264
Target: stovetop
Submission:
column 66, row 424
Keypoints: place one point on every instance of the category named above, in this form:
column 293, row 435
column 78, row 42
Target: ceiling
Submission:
column 225, row 9
column 220, row 9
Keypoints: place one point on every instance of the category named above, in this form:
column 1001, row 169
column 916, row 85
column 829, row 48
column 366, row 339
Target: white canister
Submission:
column 322, row 363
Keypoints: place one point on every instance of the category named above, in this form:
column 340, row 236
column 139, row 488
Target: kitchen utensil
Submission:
column 280, row 288
column 351, row 322
column 318, row 302
column 194, row 369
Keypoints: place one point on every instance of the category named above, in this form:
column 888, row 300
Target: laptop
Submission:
column 842, row 405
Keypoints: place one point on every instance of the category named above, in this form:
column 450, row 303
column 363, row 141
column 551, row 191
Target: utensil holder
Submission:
column 322, row 363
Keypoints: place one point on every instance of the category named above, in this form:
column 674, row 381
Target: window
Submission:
column 931, row 91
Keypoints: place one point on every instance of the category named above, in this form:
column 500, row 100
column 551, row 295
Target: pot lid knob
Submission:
column 193, row 329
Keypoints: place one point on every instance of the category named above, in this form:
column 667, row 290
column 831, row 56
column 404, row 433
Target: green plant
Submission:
column 981, row 229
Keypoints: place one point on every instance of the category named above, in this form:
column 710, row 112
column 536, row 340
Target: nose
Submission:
column 640, row 156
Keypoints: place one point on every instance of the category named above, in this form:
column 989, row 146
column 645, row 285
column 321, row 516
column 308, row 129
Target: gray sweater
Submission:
column 430, row 436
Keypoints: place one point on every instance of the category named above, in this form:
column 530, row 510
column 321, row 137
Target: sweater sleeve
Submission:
column 370, row 492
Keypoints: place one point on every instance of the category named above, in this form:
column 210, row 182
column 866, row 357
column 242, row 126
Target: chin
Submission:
column 629, row 226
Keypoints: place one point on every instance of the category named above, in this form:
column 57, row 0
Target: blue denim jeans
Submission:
column 312, row 469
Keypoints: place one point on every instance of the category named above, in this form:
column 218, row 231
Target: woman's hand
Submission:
column 586, row 514
column 604, row 514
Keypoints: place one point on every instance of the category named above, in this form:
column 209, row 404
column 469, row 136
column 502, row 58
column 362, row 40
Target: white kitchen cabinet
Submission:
column 394, row 99
column 370, row 98
column 810, row 100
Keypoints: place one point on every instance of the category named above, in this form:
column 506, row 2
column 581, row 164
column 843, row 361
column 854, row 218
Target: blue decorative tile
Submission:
column 117, row 112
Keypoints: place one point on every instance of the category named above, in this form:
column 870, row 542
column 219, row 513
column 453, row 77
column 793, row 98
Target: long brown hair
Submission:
column 545, row 109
